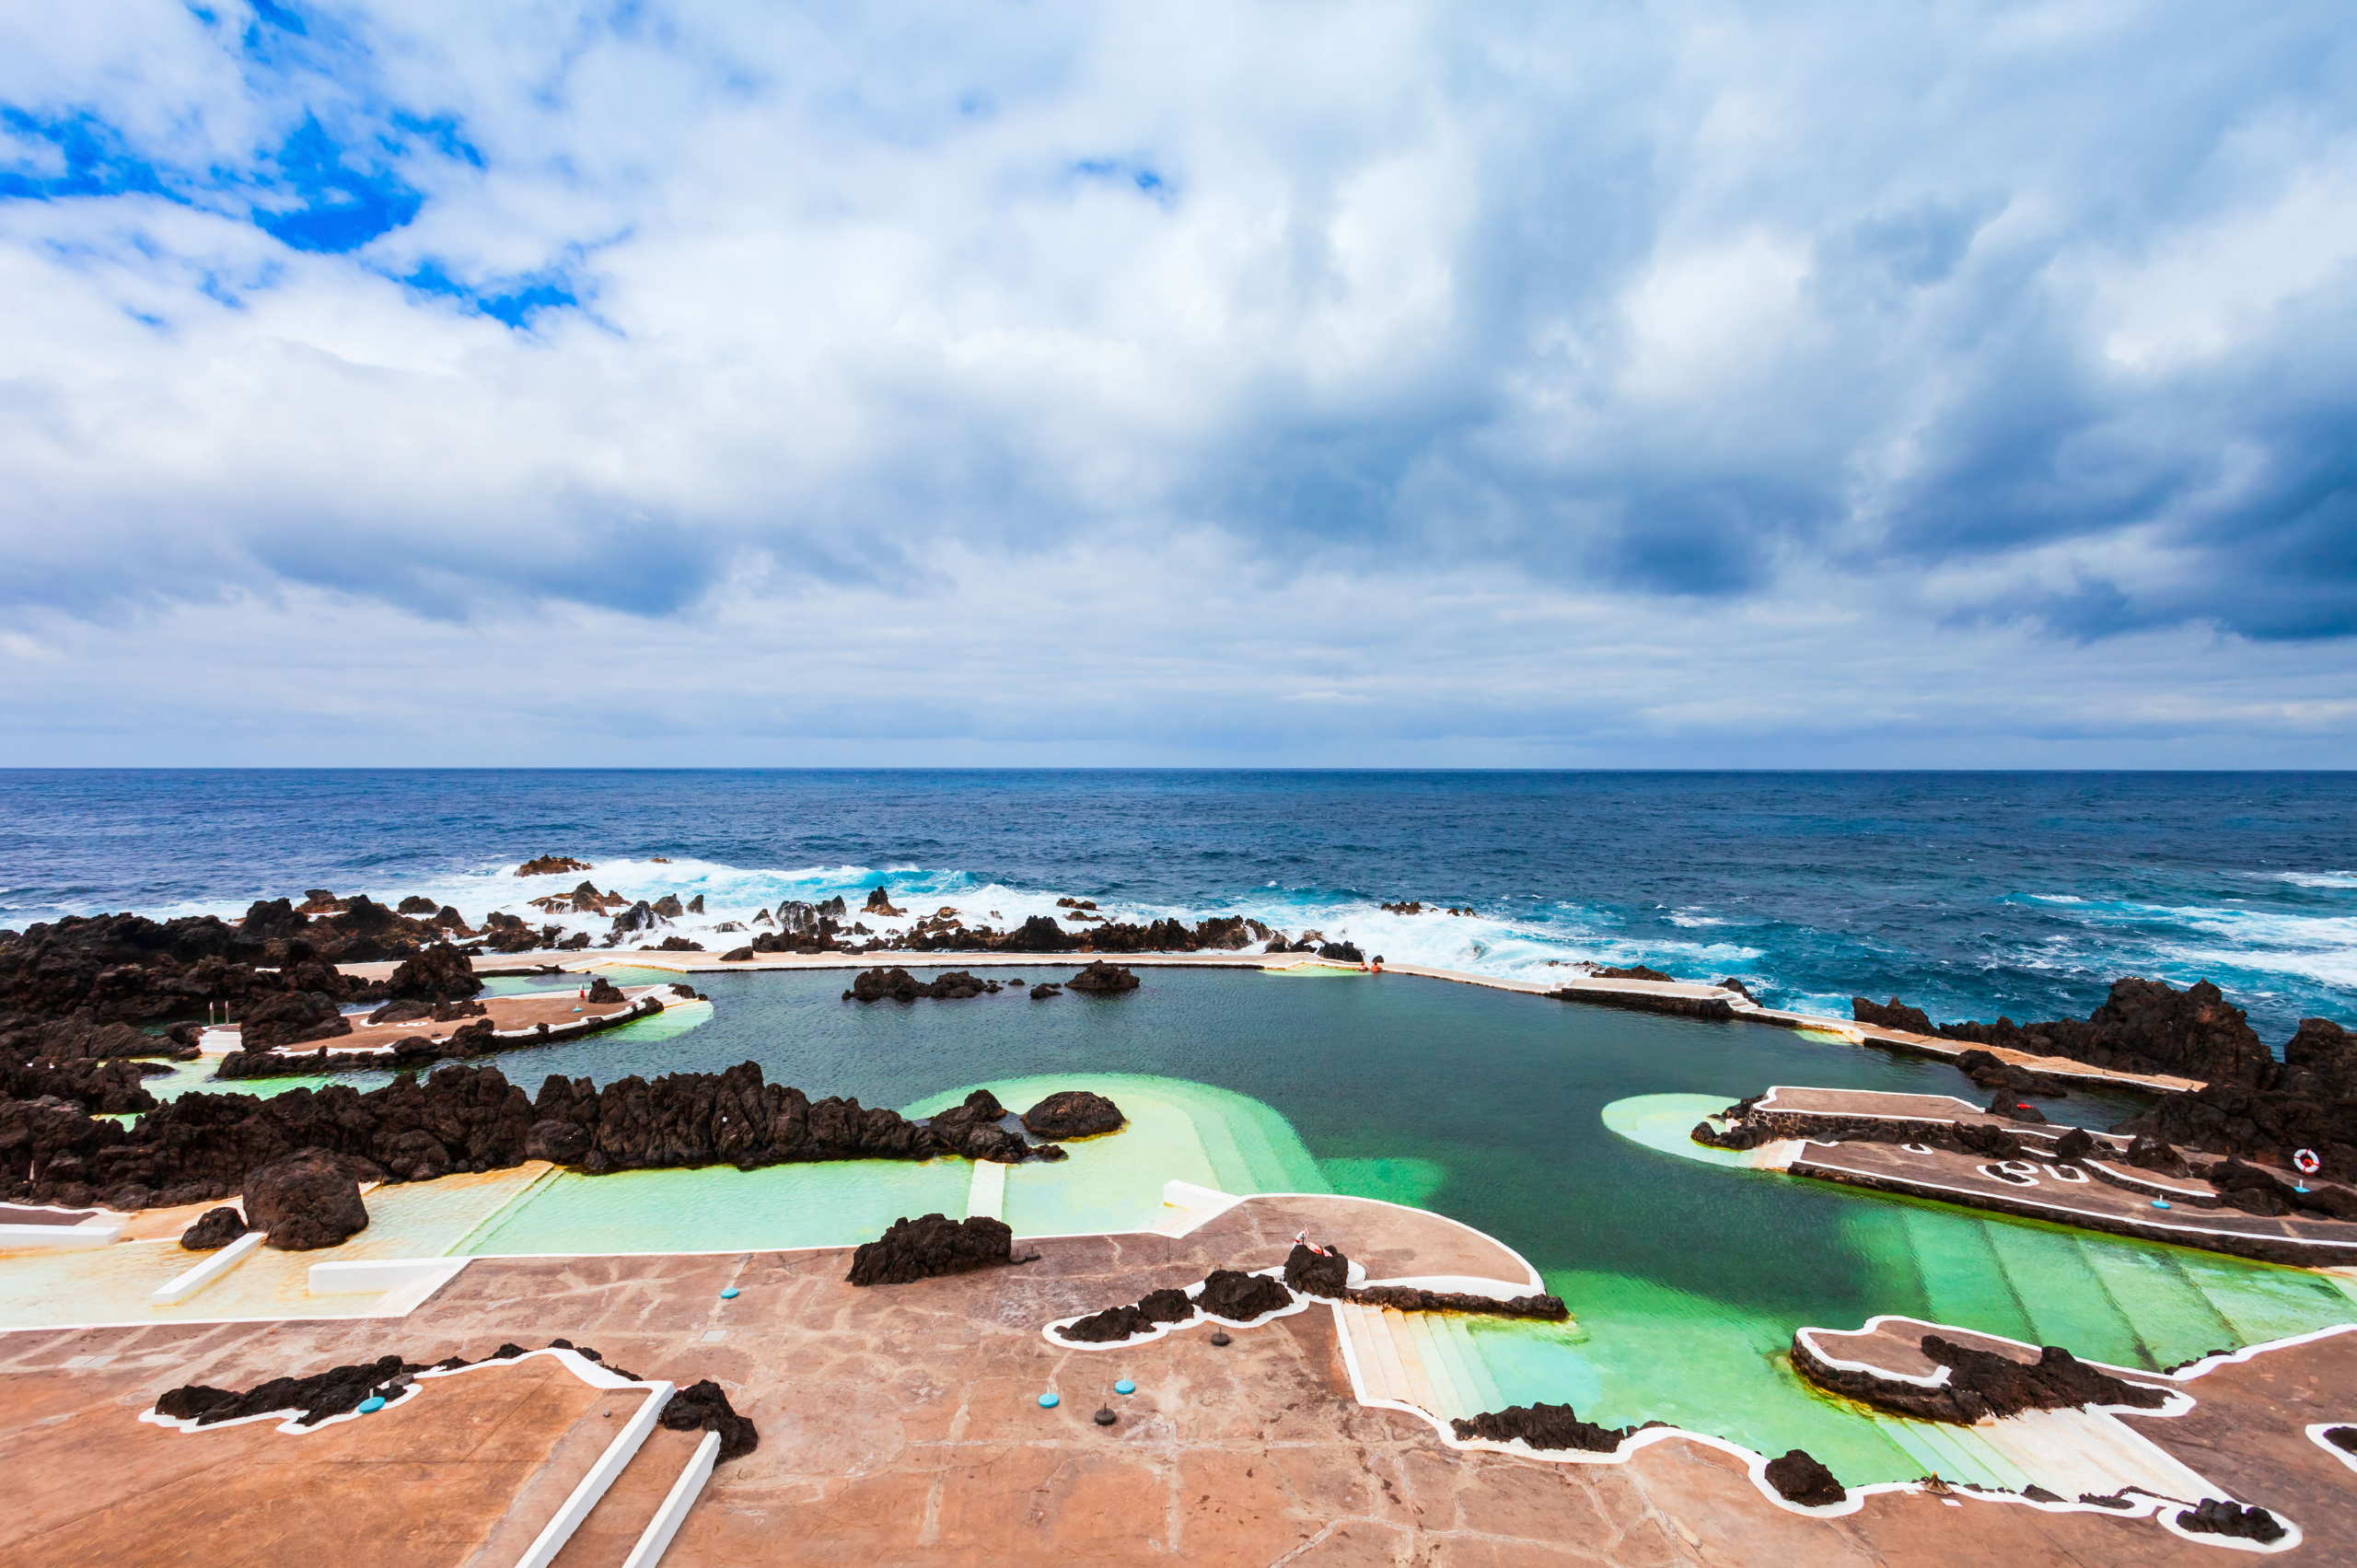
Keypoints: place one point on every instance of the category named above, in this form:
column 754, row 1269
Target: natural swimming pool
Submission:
column 1685, row 1279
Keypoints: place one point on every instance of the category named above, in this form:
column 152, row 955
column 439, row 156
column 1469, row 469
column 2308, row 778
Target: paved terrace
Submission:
column 900, row 1424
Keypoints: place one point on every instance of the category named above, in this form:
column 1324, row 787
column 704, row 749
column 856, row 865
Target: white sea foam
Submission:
column 2319, row 879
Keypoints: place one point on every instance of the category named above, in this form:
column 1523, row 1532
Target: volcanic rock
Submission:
column 1313, row 1272
column 1044, row 990
column 552, row 866
column 2013, row 1110
column 1798, row 1478
column 1990, row 1143
column 1039, row 934
column 1415, row 1298
column 678, row 944
column 1109, row 1327
column 703, row 1405
column 305, row 1201
column 1240, row 1298
column 2216, row 1516
column 1102, row 979
column 1542, row 1425
column 735, row 955
column 439, row 973
column 333, row 1392
column 1990, row 1073
column 289, row 1018
column 1073, row 1113
column 1891, row 1015
column 414, row 905
column 973, row 1129
column 879, row 903
column 669, row 907
column 934, row 1245
column 602, row 989
column 2074, row 1145
column 1634, row 972
column 2143, row 1027
column 215, row 1229
column 2156, row 1156
column 405, row 1012
column 1346, row 952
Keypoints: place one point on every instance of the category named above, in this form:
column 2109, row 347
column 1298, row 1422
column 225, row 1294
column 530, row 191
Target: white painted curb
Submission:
column 674, row 1513
column 58, row 1237
column 187, row 1282
column 619, row 1453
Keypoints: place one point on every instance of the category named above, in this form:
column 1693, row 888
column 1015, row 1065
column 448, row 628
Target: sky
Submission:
column 1682, row 384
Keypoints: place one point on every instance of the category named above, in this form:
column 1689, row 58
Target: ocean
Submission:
column 1971, row 895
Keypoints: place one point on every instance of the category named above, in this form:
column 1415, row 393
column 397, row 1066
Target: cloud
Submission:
column 2030, row 324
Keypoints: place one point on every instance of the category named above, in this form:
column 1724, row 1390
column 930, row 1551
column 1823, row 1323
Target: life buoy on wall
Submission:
column 2306, row 1161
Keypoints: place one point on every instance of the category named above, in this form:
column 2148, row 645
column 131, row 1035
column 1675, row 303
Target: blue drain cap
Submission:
column 1048, row 1402
column 372, row 1404
column 728, row 1294
column 2160, row 1202
column 1125, row 1386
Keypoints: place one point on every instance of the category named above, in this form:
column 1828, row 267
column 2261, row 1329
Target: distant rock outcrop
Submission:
column 1101, row 978
column 552, row 866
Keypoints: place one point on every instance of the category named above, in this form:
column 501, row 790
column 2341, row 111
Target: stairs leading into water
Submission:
column 1428, row 1361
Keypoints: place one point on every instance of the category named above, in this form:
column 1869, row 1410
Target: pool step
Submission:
column 632, row 1524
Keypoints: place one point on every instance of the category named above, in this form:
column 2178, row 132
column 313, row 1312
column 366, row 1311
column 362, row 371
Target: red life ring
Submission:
column 2306, row 1159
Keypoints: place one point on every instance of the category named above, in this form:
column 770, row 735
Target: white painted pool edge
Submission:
column 182, row 1285
column 657, row 1539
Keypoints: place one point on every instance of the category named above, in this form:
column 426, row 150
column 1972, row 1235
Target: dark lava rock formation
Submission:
column 1240, row 1298
column 201, row 1146
column 1101, row 978
column 291, row 1017
column 1412, row 1298
column 215, row 1229
column 2144, row 1025
column 2216, row 1516
column 340, row 1389
column 1542, row 1425
column 1991, row 1073
column 2306, row 1101
column 1891, row 1015
column 314, row 1398
column 703, row 1406
column 1314, row 1272
column 1633, row 972
column 934, row 1245
column 1073, row 1113
column 306, row 1201
column 1982, row 1383
column 439, row 973
column 1798, row 1478
column 552, row 866
column 977, row 1130
column 898, row 985
column 1118, row 1323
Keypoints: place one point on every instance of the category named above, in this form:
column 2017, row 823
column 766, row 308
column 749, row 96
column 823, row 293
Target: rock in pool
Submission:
column 1073, row 1113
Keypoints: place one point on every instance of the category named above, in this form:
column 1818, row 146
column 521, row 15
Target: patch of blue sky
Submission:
column 74, row 154
column 510, row 300
column 1143, row 177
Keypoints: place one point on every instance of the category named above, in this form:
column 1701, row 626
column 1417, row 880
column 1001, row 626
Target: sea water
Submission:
column 1969, row 894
